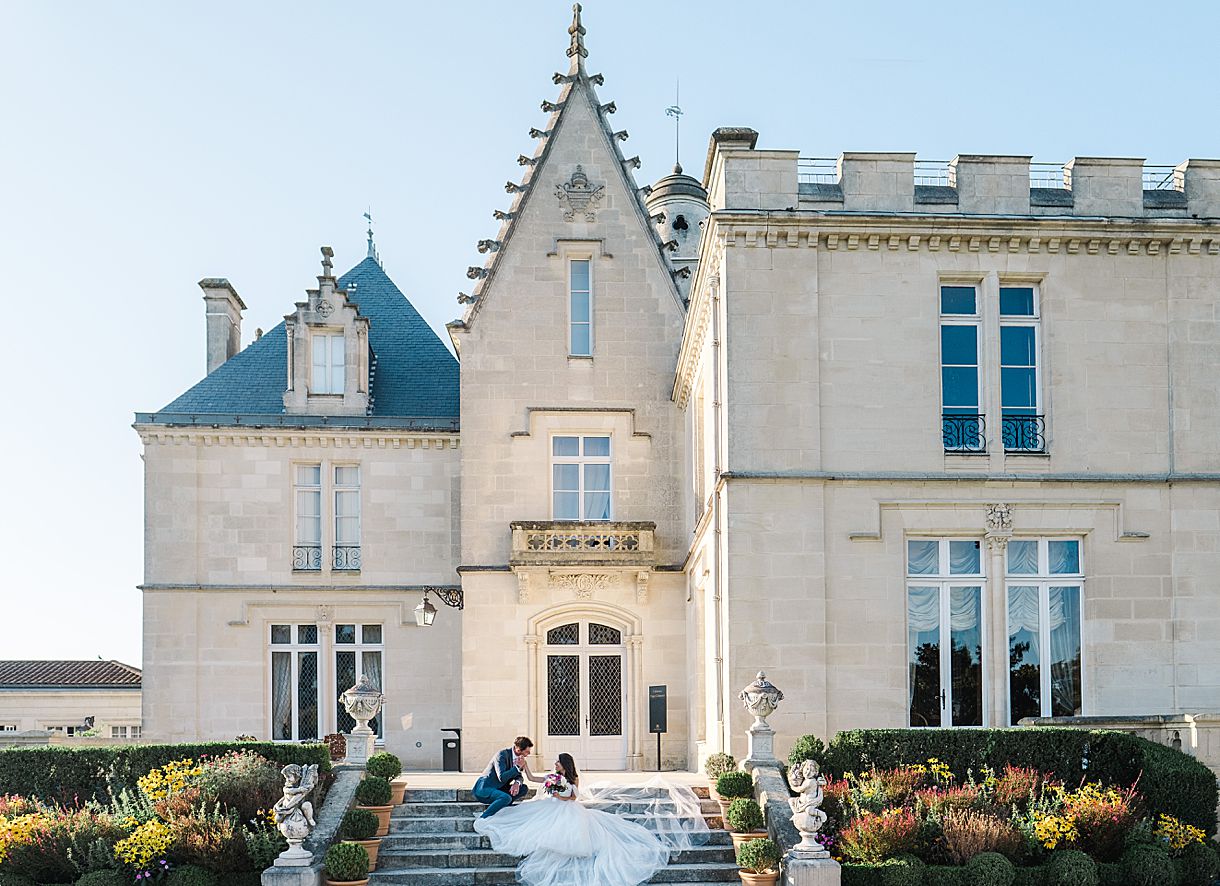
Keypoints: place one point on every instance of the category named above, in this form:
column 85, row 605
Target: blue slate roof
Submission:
column 415, row 378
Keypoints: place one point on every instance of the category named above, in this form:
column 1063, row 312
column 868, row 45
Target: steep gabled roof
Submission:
column 576, row 85
column 414, row 374
column 68, row 675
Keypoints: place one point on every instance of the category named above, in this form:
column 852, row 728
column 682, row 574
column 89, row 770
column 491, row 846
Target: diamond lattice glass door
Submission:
column 586, row 695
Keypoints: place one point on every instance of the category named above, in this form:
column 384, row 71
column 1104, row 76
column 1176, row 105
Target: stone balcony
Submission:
column 581, row 543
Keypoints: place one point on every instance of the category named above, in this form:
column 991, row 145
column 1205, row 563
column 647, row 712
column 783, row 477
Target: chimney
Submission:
column 223, row 306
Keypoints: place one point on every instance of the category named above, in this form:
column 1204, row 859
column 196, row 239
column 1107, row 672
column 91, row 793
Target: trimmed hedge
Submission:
column 1170, row 781
column 68, row 775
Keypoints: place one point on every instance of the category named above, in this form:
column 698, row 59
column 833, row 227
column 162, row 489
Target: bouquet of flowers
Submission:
column 555, row 785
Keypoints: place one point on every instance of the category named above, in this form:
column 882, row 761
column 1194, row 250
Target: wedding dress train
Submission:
column 572, row 844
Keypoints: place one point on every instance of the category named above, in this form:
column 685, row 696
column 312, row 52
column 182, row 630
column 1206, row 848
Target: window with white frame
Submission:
column 8, row 727
column 68, row 730
column 960, row 379
column 580, row 478
column 1020, row 377
column 580, row 307
column 124, row 732
column 1043, row 589
column 945, row 645
column 328, row 362
column 359, row 651
column 307, row 502
column 346, row 554
column 294, row 682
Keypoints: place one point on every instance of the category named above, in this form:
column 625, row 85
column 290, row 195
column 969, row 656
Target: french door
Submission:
column 945, row 649
column 586, row 694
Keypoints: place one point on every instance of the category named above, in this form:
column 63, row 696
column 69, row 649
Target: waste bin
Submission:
column 451, row 751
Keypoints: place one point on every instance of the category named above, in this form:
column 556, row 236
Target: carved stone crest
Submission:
column 999, row 518
column 579, row 195
column 325, row 308
column 582, row 584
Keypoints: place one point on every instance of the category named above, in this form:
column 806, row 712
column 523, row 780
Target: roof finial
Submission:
column 576, row 51
column 368, row 216
column 676, row 112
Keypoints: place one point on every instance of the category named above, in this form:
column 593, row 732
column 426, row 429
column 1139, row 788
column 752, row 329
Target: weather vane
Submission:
column 368, row 216
column 676, row 112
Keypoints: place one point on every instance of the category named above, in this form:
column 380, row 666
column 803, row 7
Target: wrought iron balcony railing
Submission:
column 964, row 432
column 1024, row 433
column 345, row 558
column 560, row 542
column 306, row 558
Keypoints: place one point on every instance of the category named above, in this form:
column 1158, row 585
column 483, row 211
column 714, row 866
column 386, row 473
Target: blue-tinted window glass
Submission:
column 1064, row 557
column 957, row 300
column 964, row 558
column 1022, row 557
column 597, row 446
column 959, row 345
column 961, row 389
column 1017, row 346
column 922, row 557
column 567, row 477
column 582, row 340
column 1017, row 301
column 345, row 634
column 565, row 446
column 1018, row 389
column 580, row 307
column 580, row 275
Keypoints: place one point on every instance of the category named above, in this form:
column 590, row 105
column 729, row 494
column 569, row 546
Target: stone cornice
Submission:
column 334, row 438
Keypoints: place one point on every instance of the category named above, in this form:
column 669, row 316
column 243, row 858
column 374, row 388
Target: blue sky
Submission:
column 147, row 145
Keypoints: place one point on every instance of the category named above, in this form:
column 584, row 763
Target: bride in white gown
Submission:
column 567, row 843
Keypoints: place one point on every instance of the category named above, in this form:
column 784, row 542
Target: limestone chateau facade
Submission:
column 931, row 444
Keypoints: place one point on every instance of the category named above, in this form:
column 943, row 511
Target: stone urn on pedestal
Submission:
column 362, row 702
column 760, row 698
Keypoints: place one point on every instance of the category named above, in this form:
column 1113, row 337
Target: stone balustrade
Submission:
column 580, row 543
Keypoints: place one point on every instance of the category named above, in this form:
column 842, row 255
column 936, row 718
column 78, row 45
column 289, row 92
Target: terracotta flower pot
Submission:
column 330, row 882
column 383, row 818
column 398, row 787
column 371, row 847
column 759, row 879
column 724, row 804
column 739, row 838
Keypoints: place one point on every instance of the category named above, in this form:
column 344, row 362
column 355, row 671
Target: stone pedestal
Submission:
column 306, row 876
column 294, row 857
column 359, row 746
column 811, row 871
column 761, row 745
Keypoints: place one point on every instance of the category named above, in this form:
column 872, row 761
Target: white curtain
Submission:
column 370, row 666
column 923, row 610
column 922, row 557
column 964, row 558
column 964, row 609
column 597, row 492
column 281, row 695
column 1023, row 610
column 1022, row 557
column 1065, row 651
column 1064, row 557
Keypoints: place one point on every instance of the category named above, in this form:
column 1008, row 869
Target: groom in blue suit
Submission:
column 504, row 777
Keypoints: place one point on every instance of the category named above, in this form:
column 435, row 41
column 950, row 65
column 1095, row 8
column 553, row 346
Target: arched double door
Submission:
column 584, row 692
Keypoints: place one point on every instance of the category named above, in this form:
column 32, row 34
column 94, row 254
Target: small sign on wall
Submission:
column 657, row 709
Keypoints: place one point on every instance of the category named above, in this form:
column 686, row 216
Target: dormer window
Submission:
column 328, row 362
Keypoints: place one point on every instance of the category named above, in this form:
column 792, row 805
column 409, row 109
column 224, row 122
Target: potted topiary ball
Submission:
column 347, row 864
column 745, row 821
column 388, row 766
column 717, row 765
column 732, row 785
column 759, row 862
column 360, row 826
column 373, row 794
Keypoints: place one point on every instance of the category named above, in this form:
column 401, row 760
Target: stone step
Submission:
column 464, row 822
column 473, row 807
column 433, row 839
column 692, row 875
column 399, row 859
column 465, row 795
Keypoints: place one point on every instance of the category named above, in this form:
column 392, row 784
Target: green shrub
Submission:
column 904, row 870
column 1170, row 781
column 347, row 861
column 744, row 815
column 1110, row 873
column 97, row 878
column 1148, row 865
column 1070, row 868
column 373, row 791
column 990, row 869
column 359, row 824
column 718, row 764
column 242, row 782
column 758, row 856
column 191, row 875
column 940, row 875
column 385, row 765
column 263, row 844
column 807, row 747
column 1199, row 866
column 1029, row 877
column 735, row 784
column 71, row 775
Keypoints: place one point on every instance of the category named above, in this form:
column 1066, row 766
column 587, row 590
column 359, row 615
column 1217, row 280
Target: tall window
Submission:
column 307, row 496
column 347, row 518
column 358, row 653
column 580, row 478
column 328, row 363
column 962, row 422
column 294, row 682
column 1043, row 583
column 1020, row 389
column 580, row 299
column 944, row 632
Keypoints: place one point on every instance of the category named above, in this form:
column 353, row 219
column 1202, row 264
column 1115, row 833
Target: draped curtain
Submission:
column 281, row 694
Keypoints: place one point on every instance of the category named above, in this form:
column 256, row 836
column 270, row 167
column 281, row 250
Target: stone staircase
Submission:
column 432, row 843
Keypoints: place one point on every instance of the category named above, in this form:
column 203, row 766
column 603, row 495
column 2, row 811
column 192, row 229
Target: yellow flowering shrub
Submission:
column 146, row 842
column 1054, row 831
column 18, row 831
column 169, row 779
column 1177, row 834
